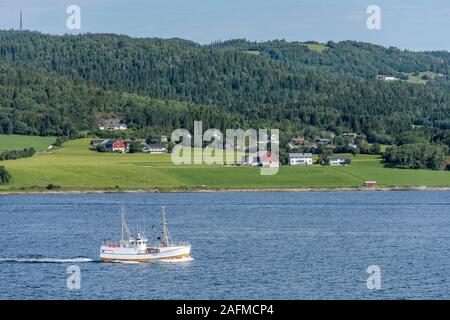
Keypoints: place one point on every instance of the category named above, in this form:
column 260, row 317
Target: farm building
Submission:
column 339, row 160
column 155, row 148
column 370, row 184
column 388, row 78
column 98, row 142
column 110, row 145
column 261, row 158
column 323, row 141
column 251, row 159
column 113, row 125
column 300, row 159
column 115, row 145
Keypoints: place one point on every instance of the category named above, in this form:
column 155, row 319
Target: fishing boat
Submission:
column 135, row 247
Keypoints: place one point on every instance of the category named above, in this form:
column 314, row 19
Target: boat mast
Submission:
column 165, row 237
column 122, row 217
column 125, row 229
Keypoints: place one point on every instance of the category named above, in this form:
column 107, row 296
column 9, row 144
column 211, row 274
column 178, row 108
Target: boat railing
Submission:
column 110, row 244
column 115, row 244
column 173, row 244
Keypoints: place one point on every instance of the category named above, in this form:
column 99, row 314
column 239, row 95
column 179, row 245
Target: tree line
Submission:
column 416, row 156
column 5, row 176
column 17, row 154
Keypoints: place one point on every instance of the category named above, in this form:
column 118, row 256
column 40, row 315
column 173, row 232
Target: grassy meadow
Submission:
column 75, row 168
column 319, row 47
column 18, row 142
column 417, row 78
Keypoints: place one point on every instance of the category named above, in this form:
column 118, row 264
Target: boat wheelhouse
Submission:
column 135, row 248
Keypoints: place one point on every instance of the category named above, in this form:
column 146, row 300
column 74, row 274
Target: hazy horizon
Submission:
column 221, row 40
column 411, row 25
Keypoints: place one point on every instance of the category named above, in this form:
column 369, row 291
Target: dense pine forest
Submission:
column 59, row 85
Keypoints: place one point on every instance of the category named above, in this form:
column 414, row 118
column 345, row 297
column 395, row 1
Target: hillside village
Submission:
column 126, row 146
column 301, row 149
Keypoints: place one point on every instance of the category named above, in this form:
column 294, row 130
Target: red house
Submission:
column 370, row 184
column 115, row 145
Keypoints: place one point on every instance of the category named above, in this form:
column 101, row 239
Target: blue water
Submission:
column 314, row 245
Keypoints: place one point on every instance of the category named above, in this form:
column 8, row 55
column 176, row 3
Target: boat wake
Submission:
column 186, row 259
column 45, row 260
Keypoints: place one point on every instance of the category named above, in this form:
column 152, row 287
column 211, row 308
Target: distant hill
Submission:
column 348, row 58
column 35, row 103
column 55, row 85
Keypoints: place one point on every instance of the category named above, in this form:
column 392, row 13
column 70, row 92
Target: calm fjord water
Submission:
column 245, row 245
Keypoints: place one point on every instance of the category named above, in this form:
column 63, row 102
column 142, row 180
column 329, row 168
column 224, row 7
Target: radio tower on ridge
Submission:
column 21, row 21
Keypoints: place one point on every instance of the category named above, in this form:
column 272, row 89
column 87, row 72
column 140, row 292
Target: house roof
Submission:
column 93, row 142
column 155, row 146
column 338, row 157
column 108, row 142
column 300, row 155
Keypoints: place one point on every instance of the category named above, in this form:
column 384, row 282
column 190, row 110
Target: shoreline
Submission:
column 361, row 189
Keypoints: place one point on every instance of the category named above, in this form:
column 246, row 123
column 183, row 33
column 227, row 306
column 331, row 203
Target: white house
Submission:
column 113, row 125
column 300, row 159
column 154, row 148
column 251, row 160
column 120, row 127
column 388, row 78
column 323, row 141
column 339, row 160
column 261, row 158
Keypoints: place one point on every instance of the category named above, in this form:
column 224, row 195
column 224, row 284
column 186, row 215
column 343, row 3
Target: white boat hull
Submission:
column 124, row 254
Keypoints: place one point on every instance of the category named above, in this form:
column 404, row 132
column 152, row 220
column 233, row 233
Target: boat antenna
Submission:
column 122, row 219
column 145, row 226
column 124, row 225
column 165, row 231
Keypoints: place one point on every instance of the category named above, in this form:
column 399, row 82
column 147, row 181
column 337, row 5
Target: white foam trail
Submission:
column 126, row 262
column 152, row 261
column 187, row 259
column 46, row 260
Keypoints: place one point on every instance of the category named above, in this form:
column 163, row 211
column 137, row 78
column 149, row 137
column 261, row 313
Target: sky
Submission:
column 408, row 24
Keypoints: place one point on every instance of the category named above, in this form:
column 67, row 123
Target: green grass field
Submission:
column 76, row 168
column 17, row 142
column 417, row 79
column 253, row 52
column 319, row 47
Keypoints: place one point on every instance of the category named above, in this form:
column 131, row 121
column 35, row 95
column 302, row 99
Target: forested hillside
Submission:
column 347, row 58
column 55, row 85
column 32, row 103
